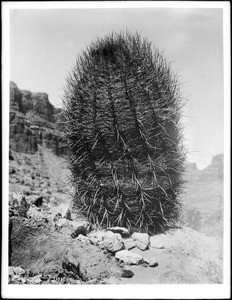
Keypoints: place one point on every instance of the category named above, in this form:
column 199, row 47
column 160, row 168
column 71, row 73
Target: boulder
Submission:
column 79, row 230
column 153, row 262
column 37, row 200
column 35, row 214
column 112, row 245
column 128, row 257
column 124, row 232
column 63, row 223
column 127, row 274
column 16, row 271
column 96, row 236
column 59, row 210
column 90, row 262
column 141, row 239
column 129, row 243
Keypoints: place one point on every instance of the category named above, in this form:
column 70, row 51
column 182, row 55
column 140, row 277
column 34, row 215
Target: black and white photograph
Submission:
column 116, row 150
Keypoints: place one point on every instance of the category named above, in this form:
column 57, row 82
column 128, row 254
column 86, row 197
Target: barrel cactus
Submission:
column 121, row 118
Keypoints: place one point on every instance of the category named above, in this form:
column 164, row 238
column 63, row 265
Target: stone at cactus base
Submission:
column 142, row 240
column 129, row 243
column 122, row 230
column 111, row 245
column 79, row 230
column 128, row 257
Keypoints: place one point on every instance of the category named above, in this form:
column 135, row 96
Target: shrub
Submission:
column 122, row 110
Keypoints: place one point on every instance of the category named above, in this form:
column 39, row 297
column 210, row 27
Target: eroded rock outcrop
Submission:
column 33, row 122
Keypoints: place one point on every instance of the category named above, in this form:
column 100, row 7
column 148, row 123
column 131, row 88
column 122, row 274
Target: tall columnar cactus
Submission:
column 121, row 118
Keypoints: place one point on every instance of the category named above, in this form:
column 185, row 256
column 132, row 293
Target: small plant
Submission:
column 121, row 118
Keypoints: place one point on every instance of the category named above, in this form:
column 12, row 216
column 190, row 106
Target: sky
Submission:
column 44, row 44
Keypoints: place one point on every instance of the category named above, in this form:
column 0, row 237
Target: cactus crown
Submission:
column 122, row 110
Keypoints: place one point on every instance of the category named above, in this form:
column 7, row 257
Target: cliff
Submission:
column 212, row 172
column 33, row 122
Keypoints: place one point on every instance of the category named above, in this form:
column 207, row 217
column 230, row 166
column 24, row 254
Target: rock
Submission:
column 112, row 245
column 71, row 263
column 79, row 230
column 18, row 205
column 60, row 210
column 36, row 279
column 127, row 274
column 38, row 201
column 90, row 262
column 16, row 279
column 28, row 181
column 124, row 232
column 11, row 271
column 142, row 240
column 128, row 257
column 96, row 236
column 62, row 223
column 129, row 243
column 83, row 239
column 18, row 271
column 23, row 280
column 106, row 239
column 153, row 262
column 33, row 122
column 37, row 216
column 12, row 170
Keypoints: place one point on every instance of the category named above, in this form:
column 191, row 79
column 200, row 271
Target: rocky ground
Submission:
column 50, row 243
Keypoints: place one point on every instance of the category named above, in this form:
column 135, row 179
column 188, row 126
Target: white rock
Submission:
column 142, row 240
column 82, row 238
column 111, row 245
column 18, row 271
column 96, row 236
column 129, row 243
column 62, row 222
column 34, row 213
column 60, row 209
column 128, row 257
column 11, row 271
column 109, row 235
column 153, row 262
column 37, row 280
column 77, row 224
column 118, row 236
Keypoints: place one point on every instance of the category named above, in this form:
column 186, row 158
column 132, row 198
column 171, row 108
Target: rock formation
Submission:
column 33, row 121
column 214, row 171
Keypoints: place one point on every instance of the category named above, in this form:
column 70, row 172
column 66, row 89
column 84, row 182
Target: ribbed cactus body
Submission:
column 122, row 126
